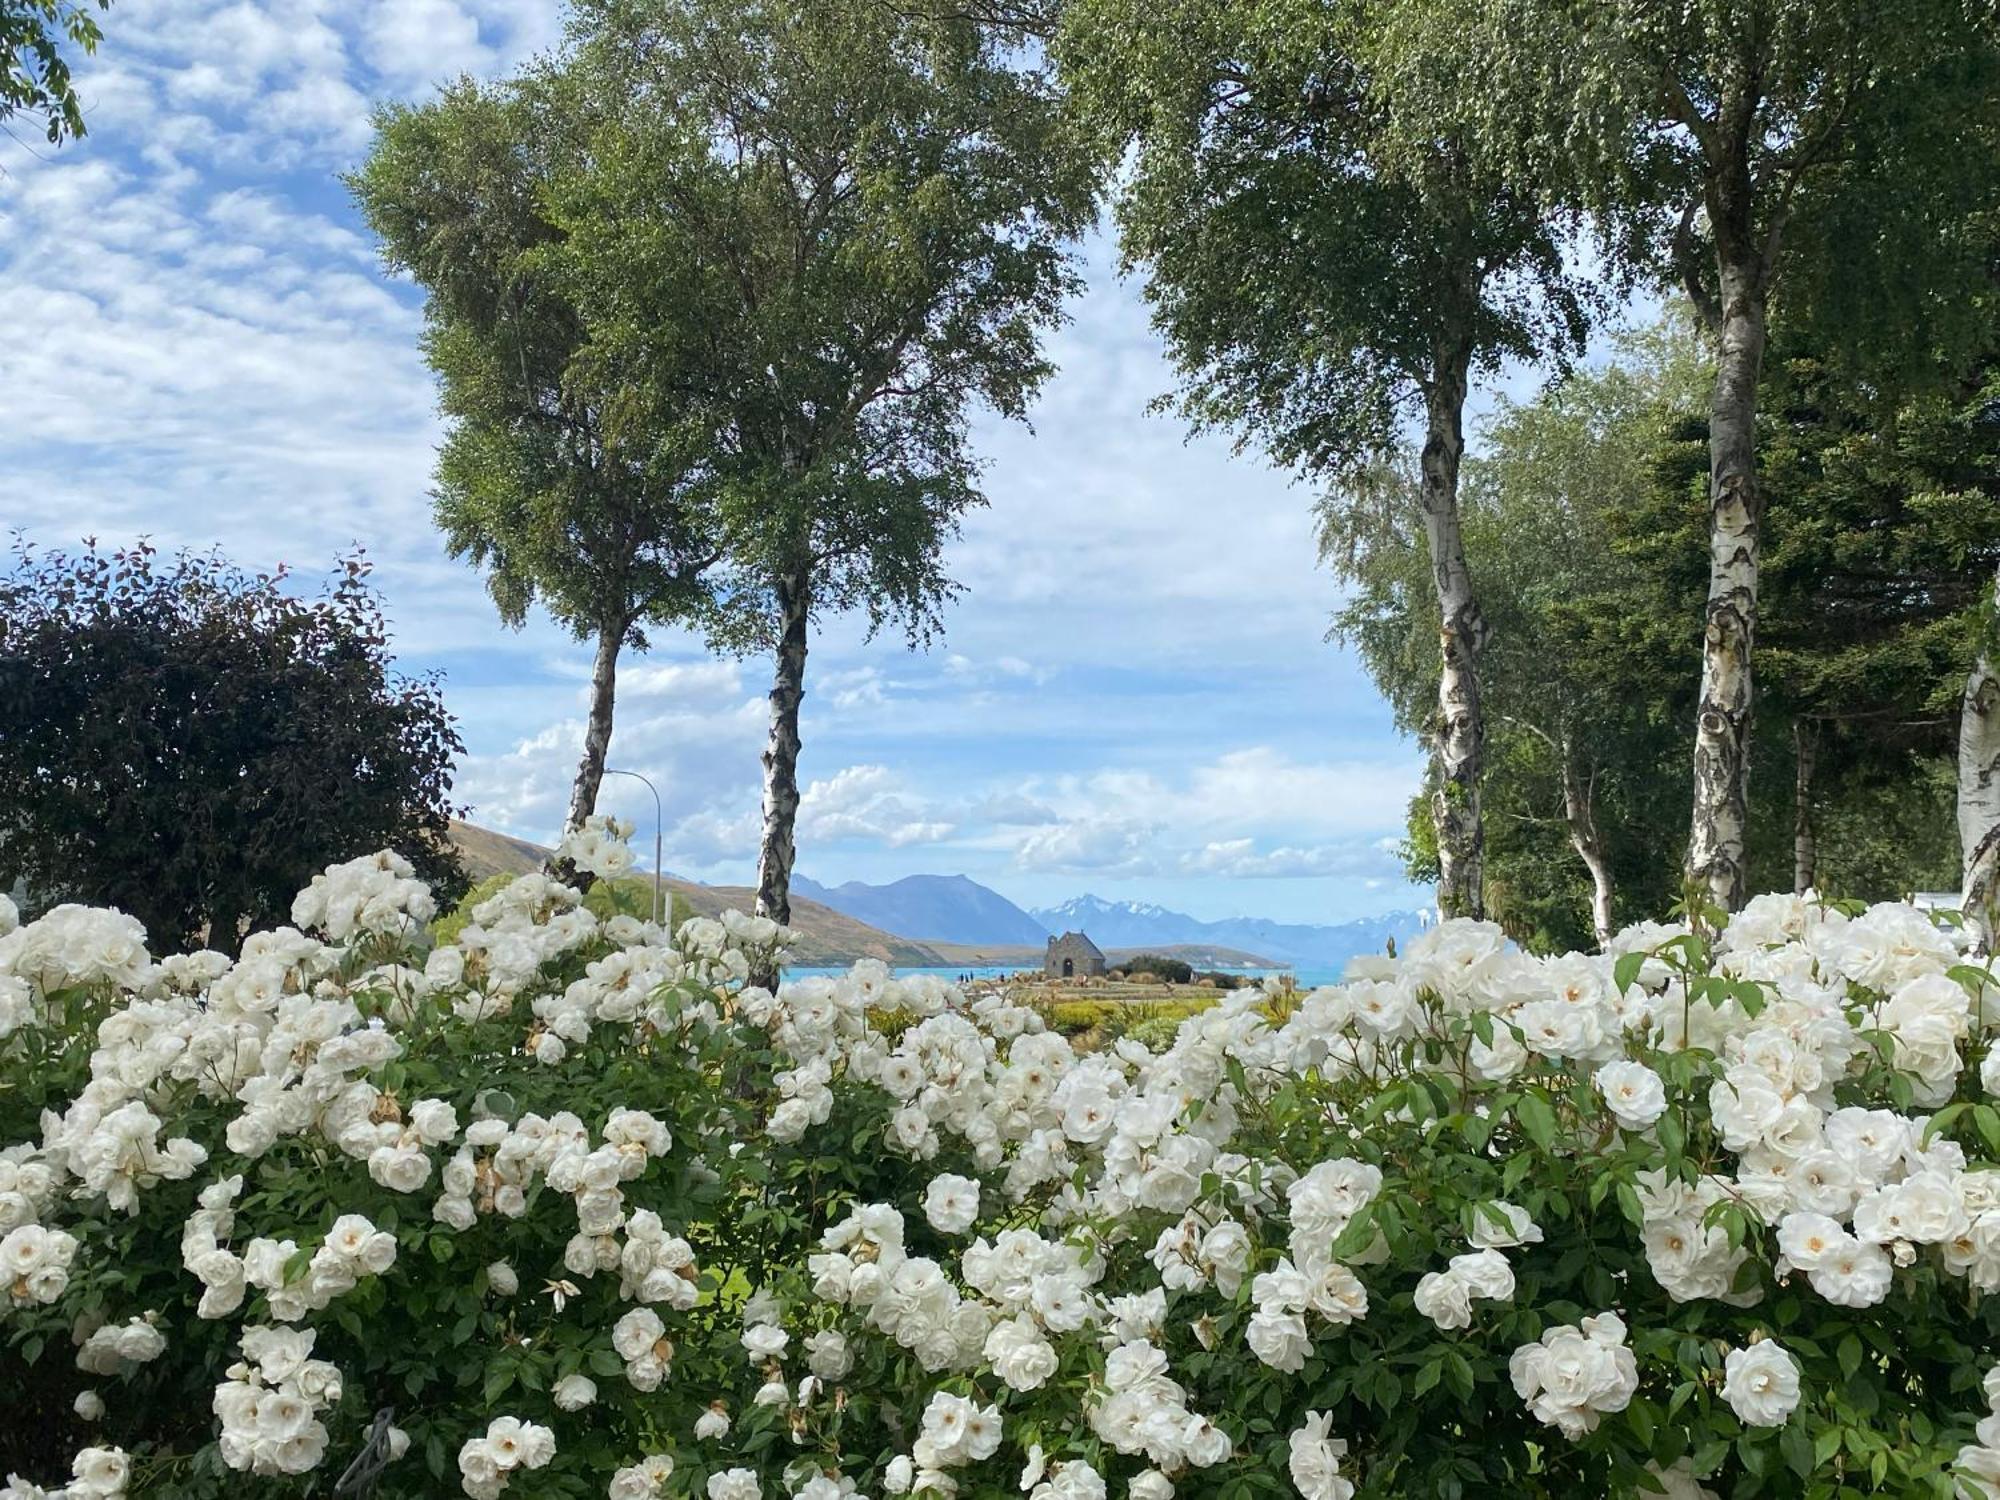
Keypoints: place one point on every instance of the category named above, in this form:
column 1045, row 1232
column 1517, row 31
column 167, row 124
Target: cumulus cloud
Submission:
column 1249, row 813
column 1110, row 845
column 688, row 726
column 867, row 803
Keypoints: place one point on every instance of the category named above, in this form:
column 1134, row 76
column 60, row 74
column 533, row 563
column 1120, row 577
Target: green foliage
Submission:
column 1585, row 525
column 1573, row 677
column 1099, row 1023
column 450, row 924
column 556, row 477
column 1843, row 144
column 1307, row 278
column 191, row 744
column 1882, row 537
column 34, row 73
column 822, row 235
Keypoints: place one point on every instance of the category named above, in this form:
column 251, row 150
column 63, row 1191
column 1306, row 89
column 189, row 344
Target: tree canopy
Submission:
column 1584, row 521
column 191, row 744
column 558, row 475
column 1834, row 154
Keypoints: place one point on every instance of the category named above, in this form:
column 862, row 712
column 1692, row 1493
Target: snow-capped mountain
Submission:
column 956, row 909
column 931, row 908
column 1136, row 924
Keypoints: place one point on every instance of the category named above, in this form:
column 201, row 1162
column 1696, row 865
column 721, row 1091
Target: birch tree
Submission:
column 838, row 231
column 555, row 477
column 1319, row 291
column 1979, row 779
column 1740, row 149
column 1576, row 745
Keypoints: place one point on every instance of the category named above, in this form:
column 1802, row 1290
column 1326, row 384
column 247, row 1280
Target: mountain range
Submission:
column 924, row 920
column 957, row 910
column 1135, row 924
column 933, row 908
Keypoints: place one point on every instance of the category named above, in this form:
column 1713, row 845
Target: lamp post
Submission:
column 659, row 823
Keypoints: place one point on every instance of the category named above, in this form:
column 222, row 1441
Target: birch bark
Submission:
column 1581, row 816
column 781, row 753
column 1716, row 854
column 1979, row 788
column 1805, row 839
column 1458, row 740
column 597, row 729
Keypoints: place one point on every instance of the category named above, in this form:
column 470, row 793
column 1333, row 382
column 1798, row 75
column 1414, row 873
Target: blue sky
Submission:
column 1133, row 697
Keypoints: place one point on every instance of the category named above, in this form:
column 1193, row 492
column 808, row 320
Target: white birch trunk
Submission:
column 1458, row 741
column 1805, row 839
column 781, row 754
column 597, row 729
column 1979, row 791
column 1581, row 817
column 1716, row 858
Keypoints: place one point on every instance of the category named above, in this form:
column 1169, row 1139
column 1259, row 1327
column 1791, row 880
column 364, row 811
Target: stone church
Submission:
column 1072, row 956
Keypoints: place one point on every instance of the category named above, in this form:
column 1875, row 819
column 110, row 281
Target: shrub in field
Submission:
column 1161, row 966
column 576, row 1212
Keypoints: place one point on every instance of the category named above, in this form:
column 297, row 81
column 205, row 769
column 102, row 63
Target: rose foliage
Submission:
column 566, row 1208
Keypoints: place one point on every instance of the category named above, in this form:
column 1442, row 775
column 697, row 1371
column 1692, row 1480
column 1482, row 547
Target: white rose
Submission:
column 1315, row 1460
column 1445, row 1300
column 951, row 1203
column 1761, row 1384
column 713, row 1423
column 1633, row 1092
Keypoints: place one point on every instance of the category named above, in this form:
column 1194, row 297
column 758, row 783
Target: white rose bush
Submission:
column 565, row 1207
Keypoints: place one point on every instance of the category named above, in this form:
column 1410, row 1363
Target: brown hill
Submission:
column 826, row 937
column 485, row 852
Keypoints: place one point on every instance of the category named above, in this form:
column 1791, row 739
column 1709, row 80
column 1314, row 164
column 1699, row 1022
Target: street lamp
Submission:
column 659, row 823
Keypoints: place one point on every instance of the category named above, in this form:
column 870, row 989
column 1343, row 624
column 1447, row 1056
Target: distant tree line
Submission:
column 1583, row 523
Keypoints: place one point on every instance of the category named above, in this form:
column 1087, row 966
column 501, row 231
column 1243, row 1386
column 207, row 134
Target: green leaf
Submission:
column 1537, row 1119
column 1625, row 972
column 1849, row 1354
column 1358, row 1235
column 1798, row 1450
column 1943, row 1119
column 1673, row 1139
column 1987, row 1119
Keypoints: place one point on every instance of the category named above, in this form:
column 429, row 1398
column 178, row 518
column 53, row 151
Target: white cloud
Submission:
column 412, row 43
column 688, row 726
column 1097, row 844
column 866, row 802
column 1208, row 821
